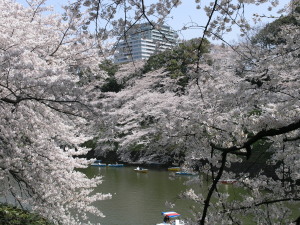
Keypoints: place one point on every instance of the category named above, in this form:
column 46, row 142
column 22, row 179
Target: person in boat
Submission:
column 166, row 219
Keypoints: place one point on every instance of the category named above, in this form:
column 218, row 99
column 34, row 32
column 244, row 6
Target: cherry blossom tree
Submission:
column 238, row 100
column 43, row 111
column 231, row 107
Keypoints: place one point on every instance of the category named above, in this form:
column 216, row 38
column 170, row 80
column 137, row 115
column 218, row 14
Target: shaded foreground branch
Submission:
column 260, row 135
column 213, row 188
column 266, row 203
column 234, row 150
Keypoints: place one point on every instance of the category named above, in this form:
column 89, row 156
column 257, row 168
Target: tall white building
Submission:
column 142, row 41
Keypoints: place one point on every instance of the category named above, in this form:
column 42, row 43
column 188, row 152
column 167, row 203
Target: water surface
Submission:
column 138, row 198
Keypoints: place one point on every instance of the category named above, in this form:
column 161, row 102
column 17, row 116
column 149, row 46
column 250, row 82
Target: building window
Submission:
column 142, row 38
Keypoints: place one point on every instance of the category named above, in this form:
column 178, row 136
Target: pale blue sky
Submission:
column 187, row 13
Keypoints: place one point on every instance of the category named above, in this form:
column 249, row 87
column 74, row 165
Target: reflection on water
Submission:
column 138, row 198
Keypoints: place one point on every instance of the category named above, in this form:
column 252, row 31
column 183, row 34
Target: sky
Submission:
column 187, row 13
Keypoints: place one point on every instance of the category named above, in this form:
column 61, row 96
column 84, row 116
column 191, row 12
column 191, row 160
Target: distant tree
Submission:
column 270, row 35
column 224, row 118
column 111, row 85
column 177, row 60
column 109, row 67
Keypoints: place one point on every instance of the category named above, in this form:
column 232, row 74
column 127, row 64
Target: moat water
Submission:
column 139, row 198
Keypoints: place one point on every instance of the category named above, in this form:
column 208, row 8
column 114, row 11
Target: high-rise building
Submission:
column 142, row 41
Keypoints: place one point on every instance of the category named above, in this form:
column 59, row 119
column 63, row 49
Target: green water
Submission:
column 138, row 198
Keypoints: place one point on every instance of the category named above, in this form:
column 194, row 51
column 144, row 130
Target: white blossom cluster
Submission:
column 42, row 110
column 48, row 87
column 243, row 92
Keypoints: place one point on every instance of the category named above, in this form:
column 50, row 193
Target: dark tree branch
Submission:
column 65, row 104
column 204, row 33
column 234, row 150
column 260, row 135
column 36, row 10
column 212, row 189
column 61, row 41
column 97, row 15
column 29, row 98
column 266, row 203
column 291, row 139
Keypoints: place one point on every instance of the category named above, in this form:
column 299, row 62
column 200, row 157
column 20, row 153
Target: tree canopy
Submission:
column 43, row 111
column 246, row 96
column 270, row 34
column 177, row 60
column 236, row 98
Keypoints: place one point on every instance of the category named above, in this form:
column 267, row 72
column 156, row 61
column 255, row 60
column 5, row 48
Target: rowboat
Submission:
column 116, row 165
column 228, row 181
column 175, row 168
column 186, row 173
column 141, row 170
column 98, row 163
column 168, row 219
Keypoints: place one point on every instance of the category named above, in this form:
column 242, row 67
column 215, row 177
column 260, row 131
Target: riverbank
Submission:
column 253, row 166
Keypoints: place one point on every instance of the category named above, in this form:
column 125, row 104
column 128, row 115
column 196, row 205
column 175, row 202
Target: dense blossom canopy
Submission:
column 41, row 112
column 236, row 99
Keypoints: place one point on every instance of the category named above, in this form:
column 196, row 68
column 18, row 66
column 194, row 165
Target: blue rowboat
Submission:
column 116, row 165
column 186, row 173
column 168, row 218
column 98, row 163
column 170, row 214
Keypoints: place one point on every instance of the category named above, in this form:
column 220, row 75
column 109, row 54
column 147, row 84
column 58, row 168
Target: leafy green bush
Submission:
column 109, row 67
column 13, row 216
column 111, row 85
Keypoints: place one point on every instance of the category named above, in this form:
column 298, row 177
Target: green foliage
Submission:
column 255, row 112
column 183, row 81
column 90, row 144
column 109, row 67
column 269, row 35
column 148, row 121
column 111, row 85
column 176, row 61
column 156, row 61
column 13, row 216
column 260, row 153
column 136, row 147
